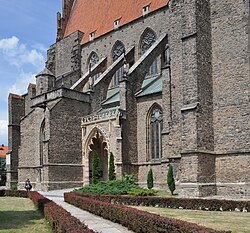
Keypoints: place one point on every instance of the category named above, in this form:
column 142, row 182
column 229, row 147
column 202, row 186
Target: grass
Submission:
column 18, row 215
column 237, row 222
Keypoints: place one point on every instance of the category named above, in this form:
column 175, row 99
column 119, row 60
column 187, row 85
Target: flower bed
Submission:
column 60, row 220
column 133, row 219
column 185, row 203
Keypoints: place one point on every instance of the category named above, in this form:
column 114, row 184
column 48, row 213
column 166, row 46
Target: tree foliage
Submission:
column 170, row 179
column 150, row 179
column 112, row 175
column 95, row 168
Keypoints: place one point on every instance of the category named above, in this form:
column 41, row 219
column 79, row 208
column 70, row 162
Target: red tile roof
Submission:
column 3, row 151
column 89, row 16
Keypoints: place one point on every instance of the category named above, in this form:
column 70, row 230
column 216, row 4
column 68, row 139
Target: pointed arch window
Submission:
column 42, row 139
column 93, row 60
column 147, row 40
column 155, row 125
column 117, row 51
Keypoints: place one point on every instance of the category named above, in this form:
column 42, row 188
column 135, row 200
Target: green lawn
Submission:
column 18, row 215
column 237, row 222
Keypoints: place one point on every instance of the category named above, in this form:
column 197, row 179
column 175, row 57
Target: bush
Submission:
column 60, row 220
column 13, row 186
column 150, row 179
column 114, row 187
column 112, row 175
column 142, row 192
column 96, row 168
column 169, row 202
column 170, row 179
column 135, row 220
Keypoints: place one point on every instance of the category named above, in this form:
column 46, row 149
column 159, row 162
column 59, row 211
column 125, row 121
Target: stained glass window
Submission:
column 118, row 50
column 93, row 60
column 148, row 38
column 154, row 132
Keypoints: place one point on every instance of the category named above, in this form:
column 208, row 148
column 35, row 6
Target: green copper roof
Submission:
column 151, row 85
column 113, row 95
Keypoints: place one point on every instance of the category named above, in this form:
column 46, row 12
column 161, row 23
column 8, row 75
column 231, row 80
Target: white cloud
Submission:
column 3, row 130
column 9, row 43
column 21, row 84
column 18, row 54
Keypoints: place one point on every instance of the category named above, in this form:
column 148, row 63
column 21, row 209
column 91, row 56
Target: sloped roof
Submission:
column 150, row 86
column 3, row 151
column 99, row 16
column 113, row 96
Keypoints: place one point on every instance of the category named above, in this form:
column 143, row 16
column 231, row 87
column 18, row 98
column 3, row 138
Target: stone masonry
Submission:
column 199, row 53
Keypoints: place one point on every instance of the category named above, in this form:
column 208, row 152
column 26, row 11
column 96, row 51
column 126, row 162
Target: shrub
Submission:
column 150, row 179
column 114, row 187
column 135, row 220
column 170, row 179
column 112, row 175
column 60, row 220
column 96, row 168
column 13, row 186
column 16, row 193
column 169, row 202
column 142, row 192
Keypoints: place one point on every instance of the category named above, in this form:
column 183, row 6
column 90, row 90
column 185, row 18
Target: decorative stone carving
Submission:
column 118, row 50
column 93, row 59
column 148, row 39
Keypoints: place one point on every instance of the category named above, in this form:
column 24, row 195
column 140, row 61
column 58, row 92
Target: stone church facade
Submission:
column 154, row 82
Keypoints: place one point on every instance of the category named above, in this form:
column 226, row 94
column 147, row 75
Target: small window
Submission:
column 117, row 23
column 91, row 36
column 145, row 10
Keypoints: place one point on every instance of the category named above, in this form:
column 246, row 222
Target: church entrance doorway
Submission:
column 99, row 145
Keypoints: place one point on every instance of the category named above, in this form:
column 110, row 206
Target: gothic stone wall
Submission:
column 16, row 108
column 231, row 85
column 65, row 152
column 144, row 163
column 129, row 35
column 231, row 82
column 29, row 151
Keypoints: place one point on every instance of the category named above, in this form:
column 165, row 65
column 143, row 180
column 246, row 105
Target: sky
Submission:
column 27, row 29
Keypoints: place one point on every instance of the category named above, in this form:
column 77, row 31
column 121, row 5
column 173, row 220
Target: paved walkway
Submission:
column 94, row 222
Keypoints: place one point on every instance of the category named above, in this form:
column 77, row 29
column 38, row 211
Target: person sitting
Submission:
column 28, row 185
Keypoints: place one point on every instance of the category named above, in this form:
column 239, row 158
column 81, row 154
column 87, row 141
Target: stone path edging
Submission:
column 94, row 222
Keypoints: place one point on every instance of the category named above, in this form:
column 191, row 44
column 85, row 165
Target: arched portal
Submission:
column 97, row 142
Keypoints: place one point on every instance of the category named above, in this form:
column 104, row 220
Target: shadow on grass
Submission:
column 18, row 219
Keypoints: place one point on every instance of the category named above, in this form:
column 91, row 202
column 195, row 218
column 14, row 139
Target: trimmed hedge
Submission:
column 13, row 193
column 61, row 221
column 135, row 220
column 176, row 203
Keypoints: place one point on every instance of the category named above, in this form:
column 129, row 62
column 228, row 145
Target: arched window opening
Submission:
column 155, row 125
column 93, row 60
column 166, row 56
column 42, row 139
column 117, row 51
column 147, row 40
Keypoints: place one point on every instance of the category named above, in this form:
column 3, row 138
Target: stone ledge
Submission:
column 62, row 92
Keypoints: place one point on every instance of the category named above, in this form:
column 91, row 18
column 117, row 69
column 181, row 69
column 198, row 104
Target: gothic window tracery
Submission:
column 118, row 50
column 148, row 38
column 155, row 125
column 93, row 60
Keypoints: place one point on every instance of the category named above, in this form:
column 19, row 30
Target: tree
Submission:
column 112, row 175
column 170, row 179
column 150, row 179
column 95, row 167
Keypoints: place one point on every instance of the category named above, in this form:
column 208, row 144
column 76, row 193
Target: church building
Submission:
column 155, row 82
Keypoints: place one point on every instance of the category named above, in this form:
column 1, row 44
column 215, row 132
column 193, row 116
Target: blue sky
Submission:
column 27, row 29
